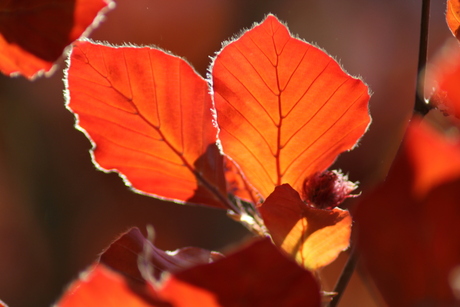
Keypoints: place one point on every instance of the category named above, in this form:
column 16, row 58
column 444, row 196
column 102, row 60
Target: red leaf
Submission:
column 148, row 114
column 2, row 304
column 453, row 17
column 314, row 237
column 102, row 287
column 285, row 108
column 409, row 225
column 258, row 275
column 123, row 254
column 34, row 34
column 137, row 258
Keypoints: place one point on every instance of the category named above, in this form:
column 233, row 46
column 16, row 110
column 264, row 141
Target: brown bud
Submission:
column 328, row 189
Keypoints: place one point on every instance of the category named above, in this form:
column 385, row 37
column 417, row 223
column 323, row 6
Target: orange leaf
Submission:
column 148, row 114
column 33, row 34
column 285, row 108
column 102, row 287
column 408, row 226
column 453, row 17
column 314, row 237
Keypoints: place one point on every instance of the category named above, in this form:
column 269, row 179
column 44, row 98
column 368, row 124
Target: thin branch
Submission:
column 344, row 277
column 421, row 107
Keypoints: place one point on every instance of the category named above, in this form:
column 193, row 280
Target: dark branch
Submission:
column 344, row 277
column 421, row 107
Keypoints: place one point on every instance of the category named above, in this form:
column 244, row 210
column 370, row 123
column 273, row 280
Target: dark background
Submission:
column 57, row 212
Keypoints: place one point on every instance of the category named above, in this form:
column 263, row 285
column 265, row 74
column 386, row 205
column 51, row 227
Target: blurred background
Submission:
column 57, row 212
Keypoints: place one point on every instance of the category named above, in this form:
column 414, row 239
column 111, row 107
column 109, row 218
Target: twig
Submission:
column 421, row 107
column 344, row 277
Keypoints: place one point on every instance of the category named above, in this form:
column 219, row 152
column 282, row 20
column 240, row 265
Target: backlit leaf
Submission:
column 285, row 108
column 148, row 114
column 34, row 34
column 453, row 17
column 314, row 237
column 408, row 226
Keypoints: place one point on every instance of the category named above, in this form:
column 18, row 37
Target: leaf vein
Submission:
column 251, row 153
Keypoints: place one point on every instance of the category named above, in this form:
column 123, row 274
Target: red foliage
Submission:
column 150, row 118
column 273, row 117
column 407, row 225
column 34, row 34
column 154, row 125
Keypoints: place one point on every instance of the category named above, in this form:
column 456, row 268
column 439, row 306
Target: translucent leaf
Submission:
column 148, row 114
column 314, row 237
column 285, row 108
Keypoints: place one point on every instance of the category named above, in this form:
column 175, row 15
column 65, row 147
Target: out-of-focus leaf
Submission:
column 434, row 160
column 453, row 17
column 34, row 34
column 408, row 226
column 148, row 114
column 2, row 304
column 285, row 108
column 136, row 257
column 443, row 79
column 257, row 275
column 100, row 286
column 314, row 237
